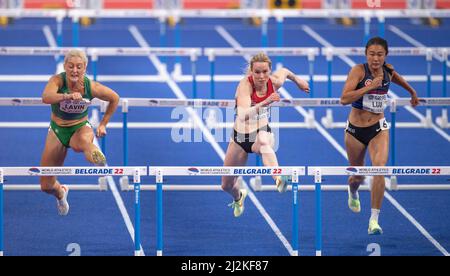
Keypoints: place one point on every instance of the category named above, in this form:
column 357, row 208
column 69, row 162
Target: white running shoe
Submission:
column 374, row 228
column 62, row 204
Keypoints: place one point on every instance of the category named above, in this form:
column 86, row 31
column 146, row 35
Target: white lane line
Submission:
column 177, row 91
column 49, row 36
column 411, row 40
column 52, row 42
column 120, row 204
column 417, row 224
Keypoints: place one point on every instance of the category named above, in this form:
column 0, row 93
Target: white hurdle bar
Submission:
column 213, row 103
column 160, row 172
column 136, row 172
column 427, row 122
column 168, row 102
column 318, row 172
column 96, row 52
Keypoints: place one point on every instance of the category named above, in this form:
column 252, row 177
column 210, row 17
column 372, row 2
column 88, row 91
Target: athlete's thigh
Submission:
column 54, row 151
column 262, row 138
column 82, row 137
column 356, row 150
column 379, row 149
column 235, row 155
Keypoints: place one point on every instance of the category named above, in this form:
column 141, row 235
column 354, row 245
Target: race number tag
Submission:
column 71, row 106
column 263, row 113
column 375, row 103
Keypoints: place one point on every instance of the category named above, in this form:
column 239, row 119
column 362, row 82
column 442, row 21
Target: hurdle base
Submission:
column 103, row 183
column 177, row 71
column 394, row 183
column 442, row 121
column 256, row 183
column 125, row 184
column 327, row 121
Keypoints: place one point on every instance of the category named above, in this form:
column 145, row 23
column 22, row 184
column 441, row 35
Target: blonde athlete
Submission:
column 252, row 133
column 69, row 94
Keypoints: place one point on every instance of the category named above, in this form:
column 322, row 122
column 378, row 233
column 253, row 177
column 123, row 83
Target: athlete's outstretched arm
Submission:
column 280, row 76
column 398, row 79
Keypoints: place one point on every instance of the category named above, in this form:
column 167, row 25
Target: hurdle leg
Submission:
column 318, row 182
column 295, row 223
column 1, row 212
column 137, row 214
column 159, row 213
column 442, row 121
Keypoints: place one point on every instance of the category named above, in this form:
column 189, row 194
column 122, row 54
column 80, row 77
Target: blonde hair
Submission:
column 76, row 53
column 259, row 57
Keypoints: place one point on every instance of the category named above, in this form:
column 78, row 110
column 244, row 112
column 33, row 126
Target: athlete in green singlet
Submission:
column 69, row 94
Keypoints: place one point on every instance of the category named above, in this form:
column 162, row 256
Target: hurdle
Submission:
column 162, row 16
column 125, row 103
column 160, row 172
column 318, row 172
column 427, row 52
column 58, row 14
column 136, row 172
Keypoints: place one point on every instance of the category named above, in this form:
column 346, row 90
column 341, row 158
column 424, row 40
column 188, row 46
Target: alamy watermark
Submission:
column 217, row 124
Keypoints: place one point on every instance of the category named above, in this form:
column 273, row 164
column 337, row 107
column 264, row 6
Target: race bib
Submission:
column 384, row 125
column 375, row 103
column 71, row 106
column 264, row 113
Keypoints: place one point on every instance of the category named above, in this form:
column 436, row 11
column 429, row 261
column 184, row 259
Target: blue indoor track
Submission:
column 199, row 222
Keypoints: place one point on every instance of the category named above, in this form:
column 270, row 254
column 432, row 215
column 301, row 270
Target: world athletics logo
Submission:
column 193, row 171
column 351, row 170
column 153, row 102
column 16, row 102
column 34, row 171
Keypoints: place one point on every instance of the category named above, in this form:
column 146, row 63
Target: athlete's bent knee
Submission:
column 266, row 149
column 227, row 183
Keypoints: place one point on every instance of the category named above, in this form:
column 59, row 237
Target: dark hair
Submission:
column 383, row 43
column 377, row 41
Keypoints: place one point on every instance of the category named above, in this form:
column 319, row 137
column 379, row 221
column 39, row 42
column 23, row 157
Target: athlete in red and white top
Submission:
column 252, row 133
